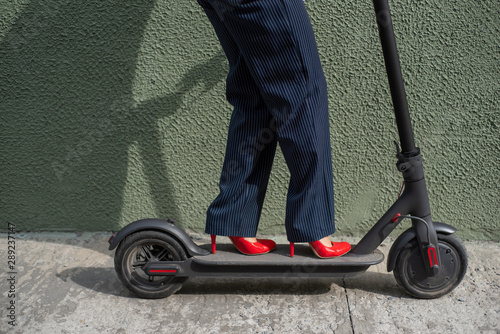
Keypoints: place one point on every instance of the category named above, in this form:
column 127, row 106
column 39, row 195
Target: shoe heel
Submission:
column 212, row 237
column 292, row 249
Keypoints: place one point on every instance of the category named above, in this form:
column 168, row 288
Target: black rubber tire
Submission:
column 411, row 274
column 133, row 248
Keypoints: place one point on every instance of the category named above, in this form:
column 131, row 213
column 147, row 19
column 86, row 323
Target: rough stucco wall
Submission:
column 114, row 111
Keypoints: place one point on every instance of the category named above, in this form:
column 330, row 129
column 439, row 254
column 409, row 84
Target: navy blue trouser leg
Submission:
column 278, row 90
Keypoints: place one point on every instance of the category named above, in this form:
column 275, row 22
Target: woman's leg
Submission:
column 250, row 150
column 275, row 40
column 277, row 44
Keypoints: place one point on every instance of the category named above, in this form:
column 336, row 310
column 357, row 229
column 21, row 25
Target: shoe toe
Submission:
column 254, row 248
column 249, row 248
column 342, row 247
column 267, row 242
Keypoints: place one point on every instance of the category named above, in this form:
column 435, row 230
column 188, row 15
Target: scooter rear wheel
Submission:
column 135, row 251
column 411, row 274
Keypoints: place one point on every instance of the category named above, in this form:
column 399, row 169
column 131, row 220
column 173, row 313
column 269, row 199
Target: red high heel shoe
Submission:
column 262, row 246
column 324, row 252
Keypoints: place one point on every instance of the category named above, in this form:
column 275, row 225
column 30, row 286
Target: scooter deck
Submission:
column 228, row 262
column 228, row 254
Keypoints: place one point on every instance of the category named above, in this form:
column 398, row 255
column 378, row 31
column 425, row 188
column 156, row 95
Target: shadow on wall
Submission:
column 68, row 115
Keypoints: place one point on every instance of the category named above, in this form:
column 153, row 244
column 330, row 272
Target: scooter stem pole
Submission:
column 393, row 68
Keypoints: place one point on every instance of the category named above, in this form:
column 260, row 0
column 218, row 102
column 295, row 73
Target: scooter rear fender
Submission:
column 165, row 226
column 407, row 236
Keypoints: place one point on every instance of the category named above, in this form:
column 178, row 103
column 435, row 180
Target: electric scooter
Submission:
column 154, row 257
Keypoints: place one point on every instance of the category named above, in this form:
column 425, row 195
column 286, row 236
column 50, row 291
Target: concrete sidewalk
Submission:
column 66, row 283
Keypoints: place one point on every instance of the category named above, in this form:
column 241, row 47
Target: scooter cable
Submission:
column 402, row 190
column 423, row 221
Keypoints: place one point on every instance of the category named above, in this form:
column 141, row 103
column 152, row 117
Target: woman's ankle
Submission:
column 326, row 241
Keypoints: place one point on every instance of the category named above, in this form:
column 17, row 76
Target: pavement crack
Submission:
column 348, row 306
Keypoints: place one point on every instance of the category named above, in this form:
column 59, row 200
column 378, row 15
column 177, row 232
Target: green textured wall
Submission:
column 113, row 111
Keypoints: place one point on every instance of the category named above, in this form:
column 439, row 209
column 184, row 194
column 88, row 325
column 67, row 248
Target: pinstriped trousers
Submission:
column 279, row 94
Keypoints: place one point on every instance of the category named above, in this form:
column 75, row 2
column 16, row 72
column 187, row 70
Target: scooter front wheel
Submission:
column 135, row 251
column 411, row 274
